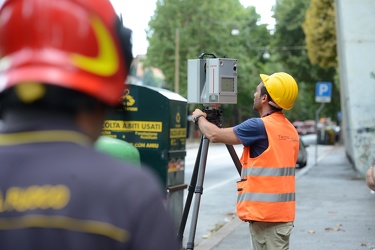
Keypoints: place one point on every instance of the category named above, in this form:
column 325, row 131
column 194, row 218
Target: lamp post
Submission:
column 177, row 62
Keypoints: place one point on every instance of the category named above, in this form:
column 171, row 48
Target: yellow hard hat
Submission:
column 282, row 88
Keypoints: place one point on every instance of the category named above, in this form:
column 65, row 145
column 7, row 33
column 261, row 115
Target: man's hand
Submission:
column 370, row 178
column 213, row 132
column 197, row 112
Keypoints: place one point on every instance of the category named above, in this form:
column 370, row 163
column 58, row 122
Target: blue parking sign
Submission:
column 323, row 92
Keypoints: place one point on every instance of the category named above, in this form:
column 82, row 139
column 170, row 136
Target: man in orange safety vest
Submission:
column 266, row 191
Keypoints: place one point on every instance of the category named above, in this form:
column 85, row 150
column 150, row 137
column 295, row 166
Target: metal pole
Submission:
column 177, row 63
column 316, row 124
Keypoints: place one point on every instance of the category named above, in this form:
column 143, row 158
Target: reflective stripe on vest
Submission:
column 266, row 197
column 290, row 171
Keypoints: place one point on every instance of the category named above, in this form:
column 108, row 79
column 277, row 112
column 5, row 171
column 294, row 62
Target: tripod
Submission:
column 196, row 182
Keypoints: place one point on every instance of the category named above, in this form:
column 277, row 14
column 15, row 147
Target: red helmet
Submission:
column 76, row 44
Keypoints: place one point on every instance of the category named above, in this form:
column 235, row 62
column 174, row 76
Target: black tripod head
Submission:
column 213, row 115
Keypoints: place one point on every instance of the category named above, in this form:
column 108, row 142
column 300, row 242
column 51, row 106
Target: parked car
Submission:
column 302, row 155
column 310, row 126
column 300, row 127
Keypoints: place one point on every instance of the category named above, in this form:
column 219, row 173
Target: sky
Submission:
column 137, row 13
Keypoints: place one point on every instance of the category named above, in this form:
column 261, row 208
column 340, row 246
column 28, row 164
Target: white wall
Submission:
column 355, row 26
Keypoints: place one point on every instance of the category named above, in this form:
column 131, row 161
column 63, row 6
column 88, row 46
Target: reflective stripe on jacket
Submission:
column 266, row 191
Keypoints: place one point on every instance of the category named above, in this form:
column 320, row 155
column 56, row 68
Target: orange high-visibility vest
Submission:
column 266, row 191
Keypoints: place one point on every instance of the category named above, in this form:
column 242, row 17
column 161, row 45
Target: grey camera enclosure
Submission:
column 212, row 81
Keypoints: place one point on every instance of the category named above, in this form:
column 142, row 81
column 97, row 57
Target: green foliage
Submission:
column 320, row 30
column 205, row 26
column 289, row 41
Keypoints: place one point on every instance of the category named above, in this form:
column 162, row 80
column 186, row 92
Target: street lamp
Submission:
column 266, row 55
column 235, row 32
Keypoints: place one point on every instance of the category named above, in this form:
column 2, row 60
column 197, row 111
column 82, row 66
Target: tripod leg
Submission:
column 189, row 197
column 235, row 159
column 198, row 192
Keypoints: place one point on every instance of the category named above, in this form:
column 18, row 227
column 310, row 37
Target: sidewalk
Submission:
column 335, row 210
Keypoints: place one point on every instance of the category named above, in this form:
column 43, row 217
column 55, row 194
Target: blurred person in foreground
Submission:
column 370, row 177
column 63, row 66
column 266, row 192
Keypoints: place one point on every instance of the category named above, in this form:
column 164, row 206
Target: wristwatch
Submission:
column 195, row 119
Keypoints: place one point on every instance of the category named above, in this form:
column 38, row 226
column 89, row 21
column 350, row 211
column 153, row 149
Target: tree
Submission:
column 205, row 26
column 319, row 27
column 320, row 31
column 289, row 41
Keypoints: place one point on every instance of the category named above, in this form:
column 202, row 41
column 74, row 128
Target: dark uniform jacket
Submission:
column 57, row 192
